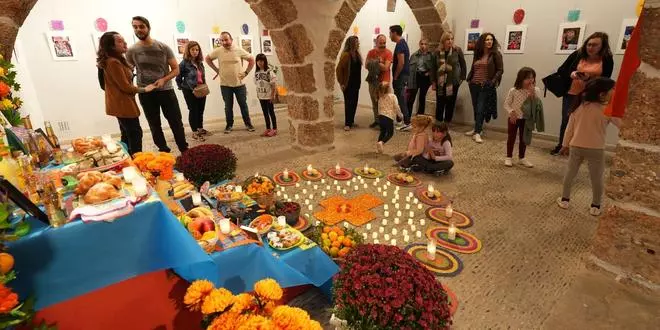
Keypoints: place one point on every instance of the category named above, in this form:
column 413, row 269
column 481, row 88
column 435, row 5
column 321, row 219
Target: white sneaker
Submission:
column 525, row 162
column 595, row 211
column 563, row 204
column 379, row 147
column 470, row 133
column 477, row 138
column 508, row 162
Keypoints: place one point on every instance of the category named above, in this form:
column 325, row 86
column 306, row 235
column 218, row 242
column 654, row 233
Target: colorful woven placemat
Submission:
column 309, row 177
column 356, row 211
column 302, row 224
column 460, row 219
column 444, row 264
column 453, row 300
column 392, row 177
column 464, row 242
column 279, row 179
column 420, row 193
column 360, row 171
column 236, row 237
column 344, row 174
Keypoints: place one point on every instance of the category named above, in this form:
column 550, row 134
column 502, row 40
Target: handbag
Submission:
column 201, row 90
column 556, row 84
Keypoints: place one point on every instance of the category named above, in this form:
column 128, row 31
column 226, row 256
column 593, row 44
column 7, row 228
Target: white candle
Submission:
column 311, row 196
column 129, row 173
column 408, row 199
column 366, row 169
column 368, row 226
column 377, row 180
column 348, row 183
column 407, row 206
column 384, row 193
column 327, row 187
column 323, row 194
column 286, row 196
column 322, row 181
column 431, row 249
column 416, row 201
column 309, row 183
column 365, row 186
column 316, row 187
column 398, row 213
column 356, row 188
column 336, row 182
column 419, row 206
column 286, row 174
column 279, row 194
column 410, row 222
column 296, row 196
column 376, row 241
column 406, row 238
column 393, row 200
column 374, row 183
column 309, row 169
column 225, row 226
column 337, row 169
column 422, row 222
column 364, row 235
column 140, row 186
column 304, row 191
column 381, row 230
column 374, row 235
column 361, row 181
column 307, row 202
column 396, row 221
column 281, row 221
column 385, row 207
column 384, row 222
column 393, row 242
column 389, row 183
column 179, row 177
column 451, row 232
column 380, row 190
column 430, row 189
column 386, row 213
column 344, row 192
column 410, row 194
column 449, row 211
column 413, row 227
column 394, row 231
column 386, row 237
column 338, row 188
column 405, row 232
column 396, row 206
column 418, row 234
column 297, row 185
column 411, row 214
column 196, row 198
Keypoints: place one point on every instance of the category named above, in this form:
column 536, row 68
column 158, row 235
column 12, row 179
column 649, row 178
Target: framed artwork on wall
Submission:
column 471, row 37
column 180, row 41
column 570, row 37
column 514, row 39
column 61, row 46
column 266, row 45
column 214, row 42
column 627, row 28
column 247, row 43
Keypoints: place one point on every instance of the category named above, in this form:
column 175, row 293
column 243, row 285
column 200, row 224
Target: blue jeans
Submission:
column 566, row 104
column 241, row 97
column 399, row 86
column 479, row 93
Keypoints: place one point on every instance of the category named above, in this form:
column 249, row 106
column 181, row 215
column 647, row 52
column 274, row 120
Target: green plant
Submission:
column 9, row 104
column 207, row 162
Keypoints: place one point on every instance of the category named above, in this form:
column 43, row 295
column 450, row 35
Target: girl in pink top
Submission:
column 413, row 157
column 438, row 156
column 585, row 140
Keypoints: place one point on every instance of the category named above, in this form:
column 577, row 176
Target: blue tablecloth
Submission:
column 57, row 264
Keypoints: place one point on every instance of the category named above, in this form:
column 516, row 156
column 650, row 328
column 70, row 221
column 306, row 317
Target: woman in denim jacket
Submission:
column 421, row 63
column 191, row 74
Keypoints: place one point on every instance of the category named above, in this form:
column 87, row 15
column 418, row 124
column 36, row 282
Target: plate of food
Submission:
column 95, row 187
column 182, row 189
column 368, row 172
column 262, row 223
column 404, row 179
column 226, row 193
column 285, row 239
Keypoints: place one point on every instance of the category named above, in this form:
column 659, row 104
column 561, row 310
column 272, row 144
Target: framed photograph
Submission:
column 41, row 135
column 627, row 28
column 247, row 44
column 267, row 45
column 514, row 39
column 61, row 46
column 570, row 37
column 180, row 42
column 214, row 42
column 96, row 38
column 471, row 37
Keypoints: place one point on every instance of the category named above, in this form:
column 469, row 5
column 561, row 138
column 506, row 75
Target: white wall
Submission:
column 69, row 91
column 542, row 19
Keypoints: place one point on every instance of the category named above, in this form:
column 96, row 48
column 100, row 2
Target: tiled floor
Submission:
column 531, row 265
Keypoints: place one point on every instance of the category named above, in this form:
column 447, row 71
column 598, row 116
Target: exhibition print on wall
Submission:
column 627, row 28
column 514, row 39
column 247, row 44
column 266, row 45
column 180, row 41
column 60, row 45
column 471, row 37
column 214, row 41
column 570, row 37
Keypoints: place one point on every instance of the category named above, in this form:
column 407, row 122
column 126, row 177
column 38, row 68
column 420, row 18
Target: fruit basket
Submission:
column 290, row 210
column 261, row 189
column 335, row 241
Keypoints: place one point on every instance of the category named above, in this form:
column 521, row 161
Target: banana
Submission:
column 180, row 188
column 200, row 212
column 179, row 183
column 206, row 211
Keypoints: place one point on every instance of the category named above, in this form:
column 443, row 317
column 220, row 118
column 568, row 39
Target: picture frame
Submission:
column 626, row 31
column 42, row 135
column 214, row 42
column 247, row 43
column 267, row 45
column 180, row 42
column 514, row 39
column 471, row 37
column 61, row 46
column 570, row 37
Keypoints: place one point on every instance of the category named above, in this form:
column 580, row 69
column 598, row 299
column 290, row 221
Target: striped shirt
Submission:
column 480, row 74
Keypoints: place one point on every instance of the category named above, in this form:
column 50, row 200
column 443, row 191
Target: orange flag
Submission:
column 629, row 65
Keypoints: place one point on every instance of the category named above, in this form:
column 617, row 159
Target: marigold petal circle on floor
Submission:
column 356, row 211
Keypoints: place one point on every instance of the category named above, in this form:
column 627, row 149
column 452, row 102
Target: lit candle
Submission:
column 297, row 185
column 406, row 238
column 381, row 230
column 396, row 206
column 394, row 231
column 393, row 242
column 380, row 190
column 316, row 187
column 451, row 232
column 337, row 169
column 389, row 183
column 364, row 235
column 304, row 191
column 419, row 206
column 413, row 227
column 384, row 193
column 416, row 201
column 377, row 180
column 422, row 222
column 365, row 169
column 348, row 183
column 323, row 194
column 296, row 197
column 398, row 213
column 322, row 181
column 281, row 221
column 393, row 200
column 327, row 187
column 384, row 222
column 374, row 235
column 386, row 237
column 344, row 192
column 356, row 188
column 311, row 196
column 365, row 186
column 418, row 234
column 309, row 183
column 129, row 174
column 411, row 214
column 405, row 232
column 279, row 194
column 430, row 249
column 311, row 207
column 368, row 226
column 374, row 183
column 430, row 189
column 408, row 199
column 286, row 196
column 386, row 213
column 286, row 174
column 338, row 188
column 396, row 221
column 407, row 206
column 386, row 207
column 376, row 241
column 309, row 169
column 179, row 177
column 307, row 202
column 410, row 194
column 449, row 211
column 336, row 182
column 410, row 221
column 196, row 198
column 140, row 186
column 225, row 226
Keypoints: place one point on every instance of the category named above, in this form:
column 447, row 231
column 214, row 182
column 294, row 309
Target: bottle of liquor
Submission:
column 51, row 135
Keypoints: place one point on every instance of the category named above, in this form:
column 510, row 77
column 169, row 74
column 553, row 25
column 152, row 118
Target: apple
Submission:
column 202, row 225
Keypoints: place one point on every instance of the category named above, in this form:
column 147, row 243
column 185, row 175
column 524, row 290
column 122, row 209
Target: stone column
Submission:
column 12, row 16
column 627, row 241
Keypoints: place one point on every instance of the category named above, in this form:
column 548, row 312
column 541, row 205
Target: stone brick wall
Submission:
column 628, row 236
column 12, row 16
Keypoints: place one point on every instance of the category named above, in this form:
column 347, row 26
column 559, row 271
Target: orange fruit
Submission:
column 324, row 236
column 343, row 252
column 340, row 232
column 347, row 242
column 6, row 263
column 332, row 236
column 326, row 229
column 340, row 239
column 196, row 235
column 326, row 242
column 334, row 252
column 336, row 244
column 336, row 229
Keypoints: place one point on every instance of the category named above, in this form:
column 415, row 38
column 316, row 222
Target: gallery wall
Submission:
column 68, row 91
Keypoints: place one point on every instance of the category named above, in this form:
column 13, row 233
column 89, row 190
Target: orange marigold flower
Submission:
column 217, row 301
column 196, row 293
column 286, row 317
column 269, row 308
column 242, row 302
column 268, row 289
column 8, row 299
column 227, row 321
column 4, row 89
column 256, row 322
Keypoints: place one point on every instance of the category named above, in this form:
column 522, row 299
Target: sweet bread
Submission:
column 100, row 192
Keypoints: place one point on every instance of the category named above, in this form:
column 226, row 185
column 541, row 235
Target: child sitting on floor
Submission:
column 413, row 158
column 388, row 110
column 438, row 158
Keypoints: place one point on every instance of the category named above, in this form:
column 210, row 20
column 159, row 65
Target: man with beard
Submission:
column 379, row 60
column 155, row 64
column 230, row 69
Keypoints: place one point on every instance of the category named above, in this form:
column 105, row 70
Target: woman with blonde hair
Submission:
column 348, row 74
column 446, row 76
column 192, row 82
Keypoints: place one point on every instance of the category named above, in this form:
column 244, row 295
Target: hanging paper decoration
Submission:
column 215, row 29
column 57, row 25
column 474, row 23
column 640, row 6
column 101, row 24
column 403, row 25
column 180, row 26
column 377, row 30
column 573, row 15
column 518, row 16
column 356, row 30
column 245, row 29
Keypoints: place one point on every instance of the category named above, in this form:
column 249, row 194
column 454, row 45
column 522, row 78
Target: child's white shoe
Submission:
column 379, row 147
column 595, row 211
column 470, row 133
column 526, row 163
column 562, row 203
column 508, row 162
column 477, row 138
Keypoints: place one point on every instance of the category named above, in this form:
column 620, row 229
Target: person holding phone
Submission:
column 594, row 59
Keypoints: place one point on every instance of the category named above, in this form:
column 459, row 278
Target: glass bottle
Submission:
column 51, row 135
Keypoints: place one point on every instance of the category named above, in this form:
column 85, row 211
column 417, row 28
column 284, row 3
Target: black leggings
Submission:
column 131, row 134
column 434, row 166
column 269, row 113
column 386, row 128
column 196, row 107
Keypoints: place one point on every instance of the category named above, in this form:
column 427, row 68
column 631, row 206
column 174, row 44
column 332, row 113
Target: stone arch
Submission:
column 12, row 16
